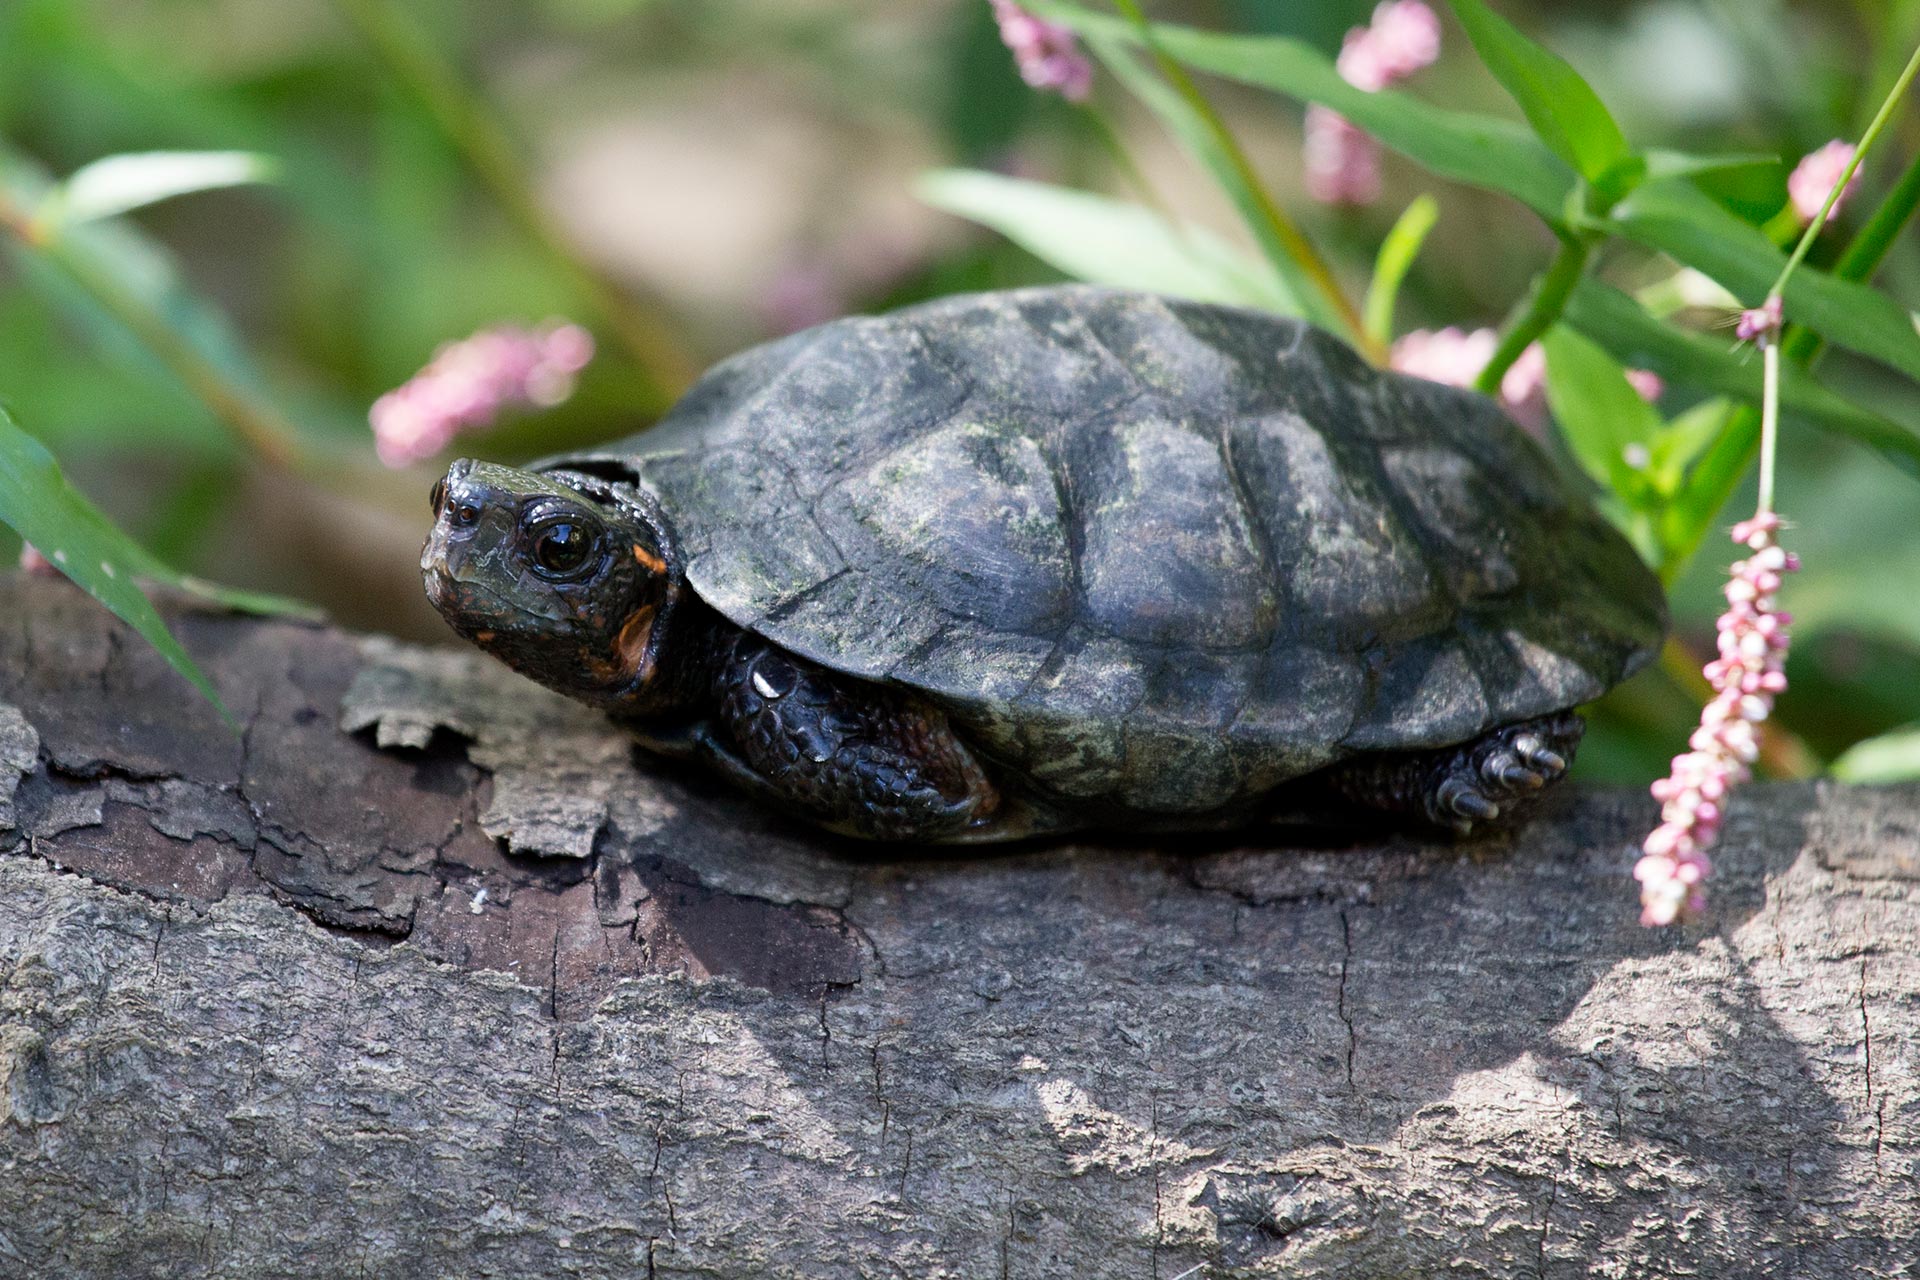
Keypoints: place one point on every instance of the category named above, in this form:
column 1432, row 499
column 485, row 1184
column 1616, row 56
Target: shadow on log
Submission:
column 422, row 973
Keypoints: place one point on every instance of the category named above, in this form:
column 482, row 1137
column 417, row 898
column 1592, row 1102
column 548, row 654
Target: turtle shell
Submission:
column 1157, row 552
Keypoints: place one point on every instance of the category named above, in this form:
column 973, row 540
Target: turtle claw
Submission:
column 1520, row 778
column 1460, row 804
column 1531, row 749
column 1471, row 804
column 1457, row 788
column 1499, row 772
column 1511, row 772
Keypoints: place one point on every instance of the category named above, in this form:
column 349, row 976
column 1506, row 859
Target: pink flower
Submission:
column 1450, row 355
column 1815, row 177
column 1403, row 37
column 1523, row 388
column 1760, row 323
column 1456, row 357
column 1749, row 673
column 1343, row 164
column 470, row 383
column 1046, row 52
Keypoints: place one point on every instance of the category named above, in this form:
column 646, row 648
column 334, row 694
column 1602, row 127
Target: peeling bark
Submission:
column 423, row 973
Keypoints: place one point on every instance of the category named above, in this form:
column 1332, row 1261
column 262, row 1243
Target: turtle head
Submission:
column 568, row 587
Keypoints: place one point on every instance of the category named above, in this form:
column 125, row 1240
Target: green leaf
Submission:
column 1604, row 419
column 1891, row 757
column 1714, row 477
column 1691, row 227
column 1693, row 493
column 1563, row 108
column 122, row 183
column 1636, row 339
column 1191, row 131
column 1391, row 264
column 263, row 603
column 1107, row 241
column 124, row 288
column 1683, row 440
column 39, row 504
column 1481, row 151
column 1663, row 164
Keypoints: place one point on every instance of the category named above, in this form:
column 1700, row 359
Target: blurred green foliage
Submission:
column 400, row 219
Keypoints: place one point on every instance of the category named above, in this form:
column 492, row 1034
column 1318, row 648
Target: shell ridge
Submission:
column 1049, row 665
column 1257, row 523
column 1084, row 326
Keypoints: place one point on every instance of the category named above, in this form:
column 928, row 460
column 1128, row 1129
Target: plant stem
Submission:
column 1769, row 421
column 1391, row 264
column 257, row 425
column 464, row 119
column 1538, row 313
column 1285, row 233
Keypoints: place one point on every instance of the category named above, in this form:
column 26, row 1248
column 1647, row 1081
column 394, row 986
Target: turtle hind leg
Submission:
column 1456, row 788
column 854, row 756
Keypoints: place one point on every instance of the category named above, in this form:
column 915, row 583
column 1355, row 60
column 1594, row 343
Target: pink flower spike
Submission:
column 1815, row 177
column 1760, row 323
column 1343, row 163
column 1523, row 388
column 1450, row 355
column 1756, row 532
column 1403, row 37
column 1359, row 63
column 1046, row 53
column 469, row 384
column 1456, row 357
column 1747, row 676
column 1406, row 37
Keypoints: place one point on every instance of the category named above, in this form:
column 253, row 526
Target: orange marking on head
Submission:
column 631, row 644
column 481, row 637
column 649, row 561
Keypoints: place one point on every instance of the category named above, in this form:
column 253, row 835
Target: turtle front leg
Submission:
column 856, row 757
column 1456, row 787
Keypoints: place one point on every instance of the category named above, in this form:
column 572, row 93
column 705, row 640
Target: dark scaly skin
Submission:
column 864, row 759
column 622, row 631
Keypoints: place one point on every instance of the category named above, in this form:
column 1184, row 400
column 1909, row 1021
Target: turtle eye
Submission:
column 439, row 494
column 561, row 547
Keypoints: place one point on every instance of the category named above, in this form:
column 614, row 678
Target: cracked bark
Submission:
column 425, row 972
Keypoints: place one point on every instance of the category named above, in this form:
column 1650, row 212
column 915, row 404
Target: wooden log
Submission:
column 422, row 972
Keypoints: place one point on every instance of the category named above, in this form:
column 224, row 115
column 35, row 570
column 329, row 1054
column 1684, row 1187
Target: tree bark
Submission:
column 422, row 972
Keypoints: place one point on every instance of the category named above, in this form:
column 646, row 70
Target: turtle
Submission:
column 1020, row 562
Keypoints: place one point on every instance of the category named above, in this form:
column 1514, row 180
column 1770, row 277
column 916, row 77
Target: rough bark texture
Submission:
column 421, row 974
